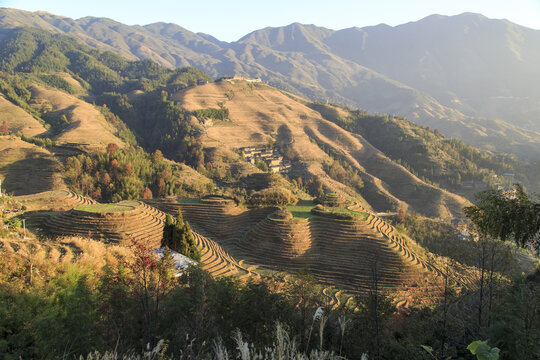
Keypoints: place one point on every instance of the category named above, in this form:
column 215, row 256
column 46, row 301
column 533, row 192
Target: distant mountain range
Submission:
column 471, row 77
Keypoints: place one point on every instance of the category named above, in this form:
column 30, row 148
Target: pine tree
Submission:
column 168, row 232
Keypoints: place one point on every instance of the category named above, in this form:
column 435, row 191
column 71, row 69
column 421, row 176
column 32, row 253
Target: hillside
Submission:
column 19, row 120
column 443, row 78
column 28, row 169
column 142, row 102
column 86, row 124
column 260, row 114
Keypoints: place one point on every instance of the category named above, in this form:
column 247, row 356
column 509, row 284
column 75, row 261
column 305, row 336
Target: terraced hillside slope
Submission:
column 119, row 223
column 57, row 200
column 260, row 114
column 27, row 169
column 349, row 254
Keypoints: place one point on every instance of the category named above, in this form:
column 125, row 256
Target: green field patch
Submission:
column 345, row 211
column 107, row 208
column 190, row 200
column 302, row 209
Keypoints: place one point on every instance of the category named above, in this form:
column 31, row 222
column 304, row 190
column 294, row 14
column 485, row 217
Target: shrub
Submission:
column 282, row 214
column 273, row 197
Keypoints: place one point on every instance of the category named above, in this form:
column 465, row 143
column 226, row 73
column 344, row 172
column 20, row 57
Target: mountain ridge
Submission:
column 323, row 64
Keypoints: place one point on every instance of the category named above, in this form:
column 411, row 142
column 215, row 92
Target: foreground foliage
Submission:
column 511, row 215
column 116, row 303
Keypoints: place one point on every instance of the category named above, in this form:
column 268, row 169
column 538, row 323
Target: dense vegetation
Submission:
column 157, row 122
column 54, row 309
column 220, row 114
column 125, row 174
column 177, row 236
column 274, row 196
column 507, row 215
column 425, row 152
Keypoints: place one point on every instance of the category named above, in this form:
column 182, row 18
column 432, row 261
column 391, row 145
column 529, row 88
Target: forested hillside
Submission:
column 471, row 77
column 32, row 56
column 139, row 101
column 424, row 151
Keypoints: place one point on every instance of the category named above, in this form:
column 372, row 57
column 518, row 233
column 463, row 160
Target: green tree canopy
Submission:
column 507, row 215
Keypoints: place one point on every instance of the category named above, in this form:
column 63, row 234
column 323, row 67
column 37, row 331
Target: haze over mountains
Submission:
column 472, row 78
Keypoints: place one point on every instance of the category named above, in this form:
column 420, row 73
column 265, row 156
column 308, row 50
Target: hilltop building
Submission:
column 239, row 78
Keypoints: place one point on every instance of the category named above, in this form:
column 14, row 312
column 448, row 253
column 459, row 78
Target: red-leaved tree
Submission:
column 4, row 130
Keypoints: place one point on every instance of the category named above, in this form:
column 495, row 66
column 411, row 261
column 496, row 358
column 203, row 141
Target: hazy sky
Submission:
column 230, row 19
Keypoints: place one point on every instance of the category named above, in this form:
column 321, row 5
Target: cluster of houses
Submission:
column 462, row 228
column 271, row 157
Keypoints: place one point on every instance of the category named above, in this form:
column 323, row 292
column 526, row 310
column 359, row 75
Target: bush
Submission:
column 14, row 223
column 273, row 197
column 282, row 214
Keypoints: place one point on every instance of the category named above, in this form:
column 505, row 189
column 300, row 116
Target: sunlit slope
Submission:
column 259, row 113
column 18, row 120
column 87, row 125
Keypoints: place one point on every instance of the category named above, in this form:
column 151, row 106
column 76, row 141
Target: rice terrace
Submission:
column 300, row 193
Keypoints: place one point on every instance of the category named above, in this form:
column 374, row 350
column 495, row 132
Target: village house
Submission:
column 462, row 227
column 467, row 184
column 271, row 157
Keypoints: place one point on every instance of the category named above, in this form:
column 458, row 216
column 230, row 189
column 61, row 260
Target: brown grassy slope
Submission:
column 258, row 111
column 72, row 81
column 18, row 120
column 87, row 124
column 51, row 258
column 27, row 169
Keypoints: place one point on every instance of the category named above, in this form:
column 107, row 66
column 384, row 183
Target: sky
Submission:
column 228, row 20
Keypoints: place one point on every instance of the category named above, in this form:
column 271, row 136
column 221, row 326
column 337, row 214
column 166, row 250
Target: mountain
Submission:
column 480, row 66
column 471, row 77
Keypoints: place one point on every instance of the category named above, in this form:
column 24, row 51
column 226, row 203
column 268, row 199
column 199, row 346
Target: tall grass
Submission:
column 283, row 348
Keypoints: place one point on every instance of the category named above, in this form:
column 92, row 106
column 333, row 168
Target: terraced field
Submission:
column 119, row 223
column 348, row 254
column 28, row 169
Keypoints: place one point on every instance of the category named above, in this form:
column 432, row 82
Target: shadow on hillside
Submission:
column 29, row 176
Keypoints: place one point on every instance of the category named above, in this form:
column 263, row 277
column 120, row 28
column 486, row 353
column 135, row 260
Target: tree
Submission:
column 151, row 280
column 158, row 156
column 147, row 193
column 401, row 213
column 112, row 148
column 375, row 310
column 511, row 215
column 168, row 231
column 179, row 237
column 161, row 187
column 4, row 130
